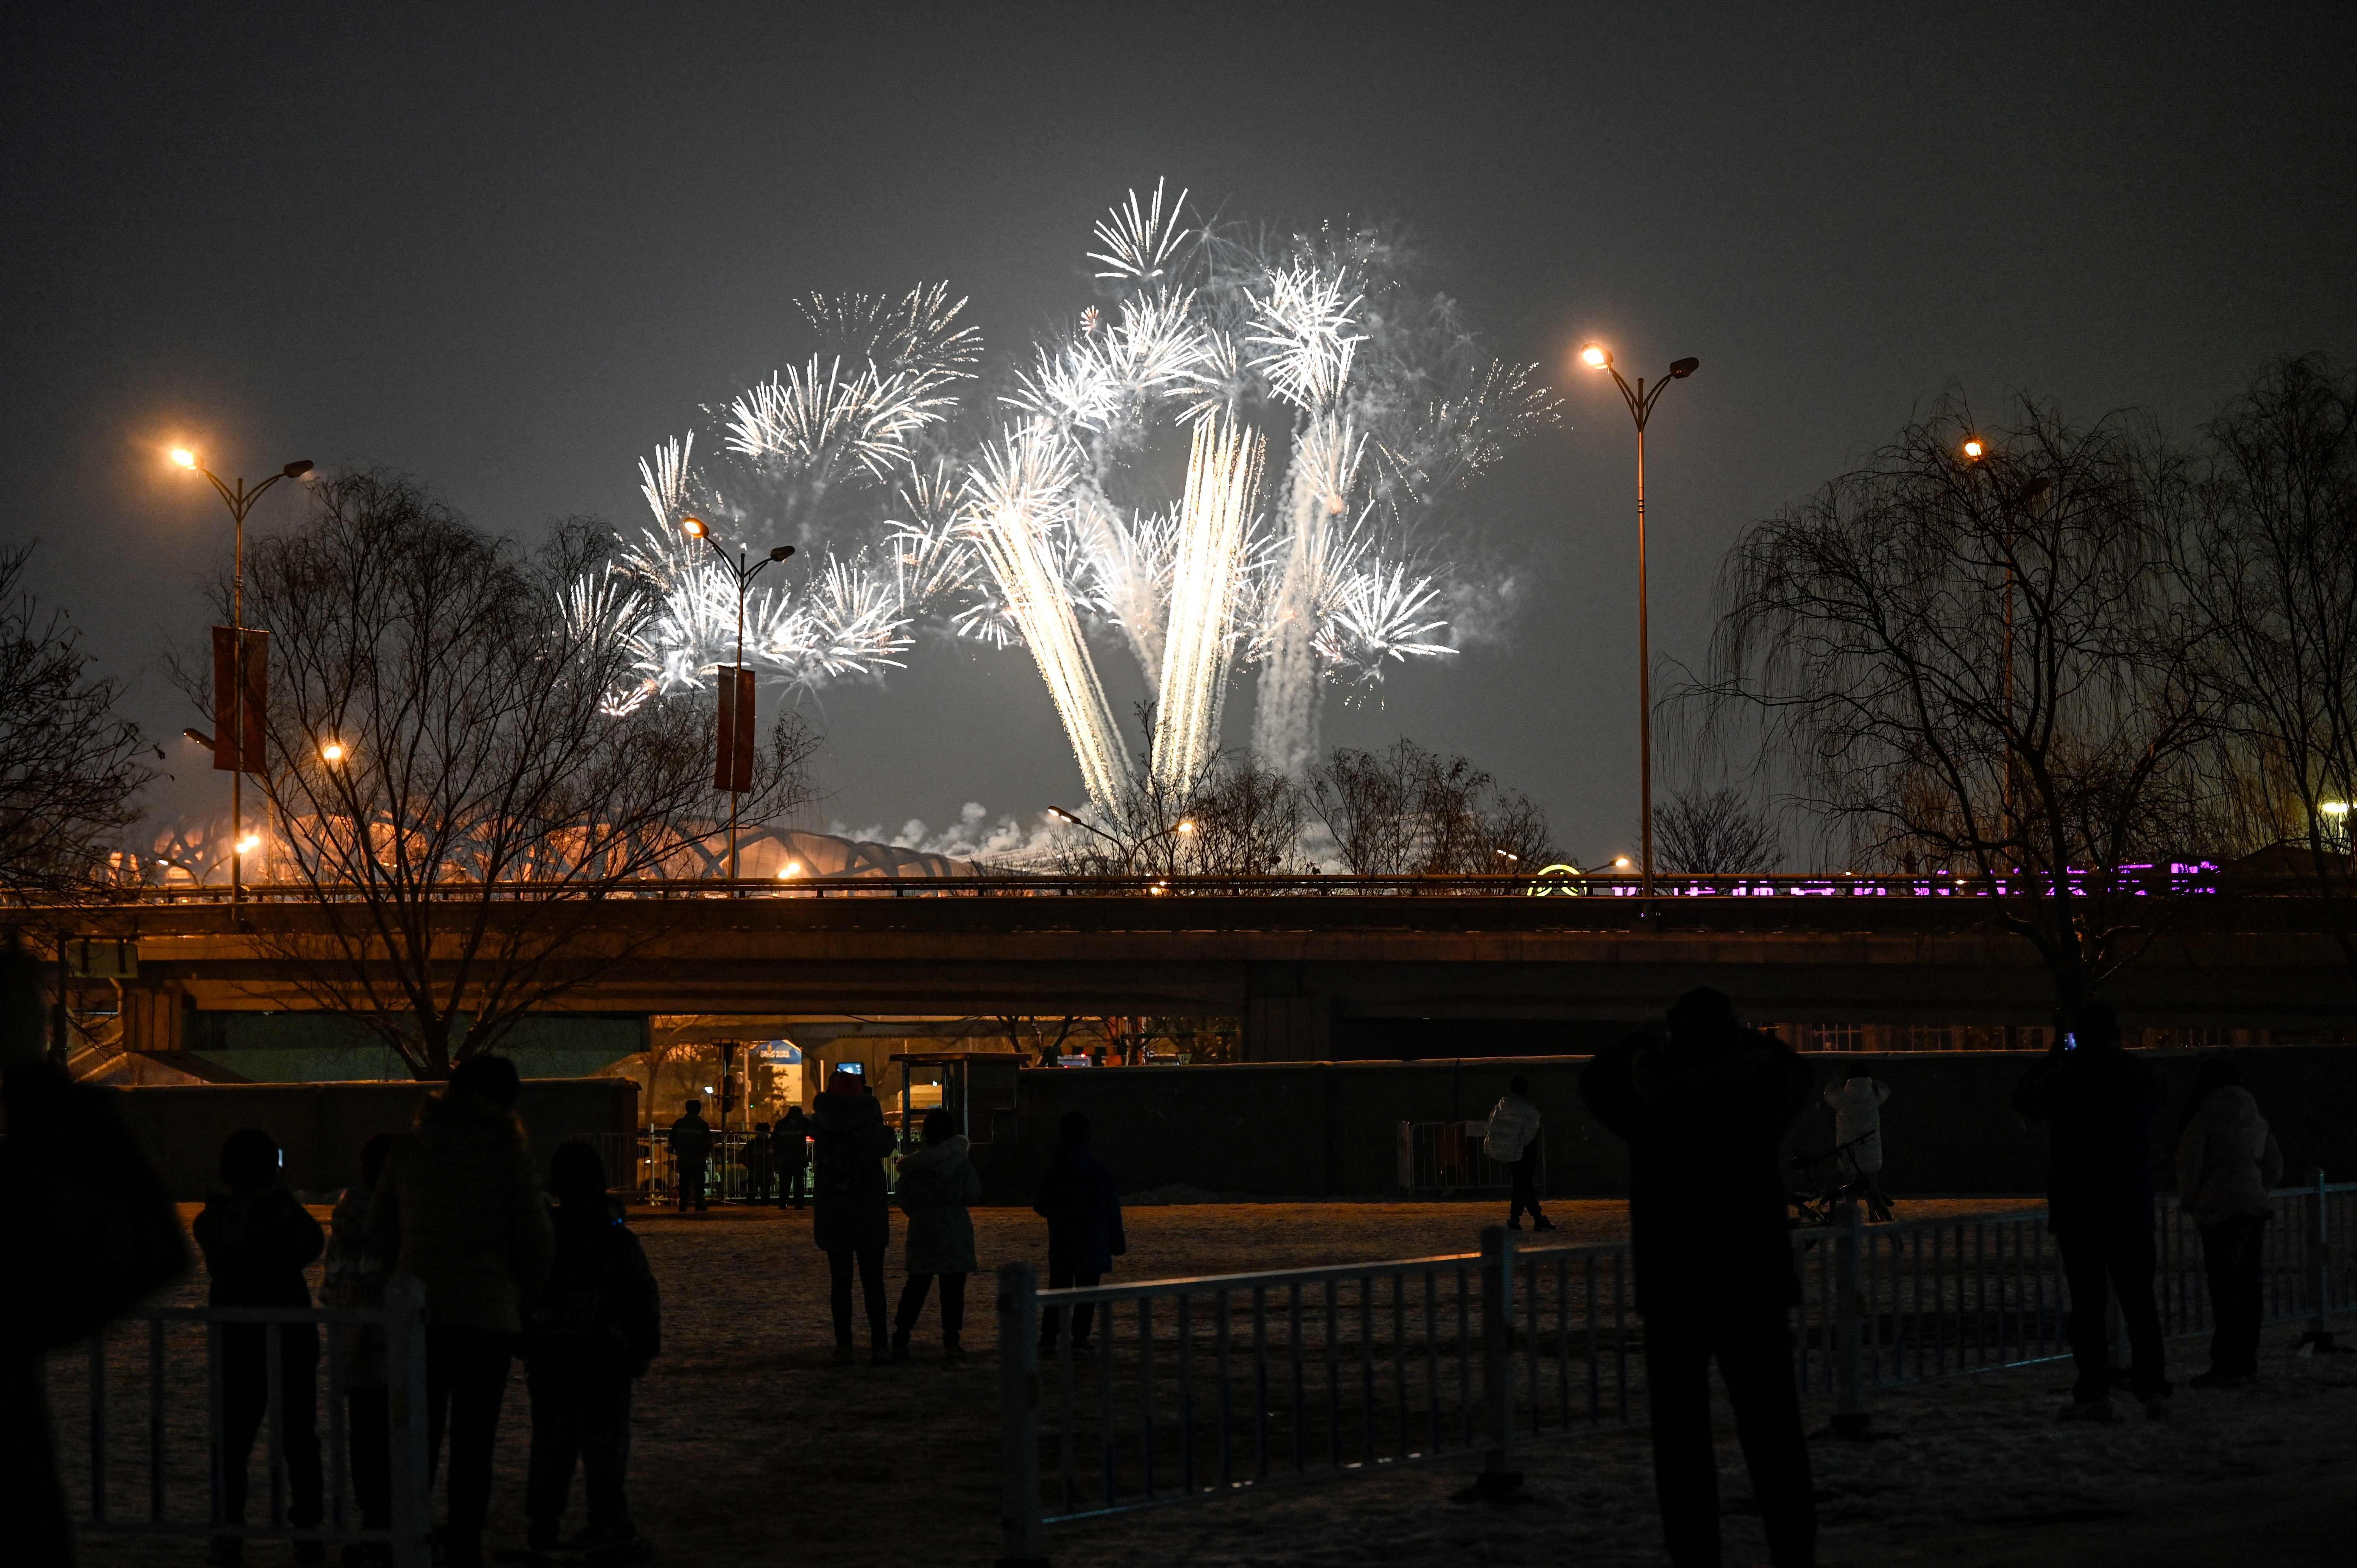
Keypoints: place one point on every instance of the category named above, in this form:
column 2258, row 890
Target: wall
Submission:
column 322, row 1126
column 1313, row 1130
column 327, row 1047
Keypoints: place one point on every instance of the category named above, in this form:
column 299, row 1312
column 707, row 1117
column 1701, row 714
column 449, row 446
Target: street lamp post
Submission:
column 739, row 714
column 1641, row 408
column 240, row 501
column 1129, row 853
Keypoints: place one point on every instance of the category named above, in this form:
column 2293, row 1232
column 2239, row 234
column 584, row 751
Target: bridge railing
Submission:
column 2168, row 879
column 1192, row 1390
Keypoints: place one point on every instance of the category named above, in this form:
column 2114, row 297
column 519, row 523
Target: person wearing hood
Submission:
column 851, row 1213
column 257, row 1240
column 1078, row 1199
column 355, row 1279
column 2101, row 1102
column 88, row 1231
column 2227, row 1163
column 593, row 1329
column 1511, row 1139
column 1705, row 1112
column 458, row 1209
column 937, row 1182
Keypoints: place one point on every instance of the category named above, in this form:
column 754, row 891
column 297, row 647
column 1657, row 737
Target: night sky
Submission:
column 508, row 254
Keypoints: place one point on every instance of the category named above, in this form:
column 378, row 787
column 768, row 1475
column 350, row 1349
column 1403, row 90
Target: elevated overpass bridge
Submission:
column 1313, row 968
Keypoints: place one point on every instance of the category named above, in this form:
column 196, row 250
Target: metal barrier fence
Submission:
column 643, row 1166
column 105, row 1506
column 1443, row 1158
column 1214, row 1386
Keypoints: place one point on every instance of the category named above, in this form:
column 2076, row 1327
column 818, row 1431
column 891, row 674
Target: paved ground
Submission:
column 752, row 1446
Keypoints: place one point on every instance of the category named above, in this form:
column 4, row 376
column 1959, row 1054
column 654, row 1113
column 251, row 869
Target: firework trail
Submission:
column 1019, row 497
column 1294, row 658
column 1222, row 483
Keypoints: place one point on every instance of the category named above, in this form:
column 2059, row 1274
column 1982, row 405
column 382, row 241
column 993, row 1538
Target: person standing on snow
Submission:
column 1857, row 1102
column 2227, row 1162
column 1513, row 1141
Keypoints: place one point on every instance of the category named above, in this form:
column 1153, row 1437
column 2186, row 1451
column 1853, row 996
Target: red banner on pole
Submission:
column 732, row 767
column 237, row 724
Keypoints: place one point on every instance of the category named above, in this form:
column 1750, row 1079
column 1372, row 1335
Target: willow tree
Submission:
column 465, row 766
column 1970, row 656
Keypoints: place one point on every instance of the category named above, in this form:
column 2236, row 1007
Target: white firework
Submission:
column 1140, row 245
column 1382, row 614
column 1222, row 484
column 811, row 420
column 1301, row 334
column 664, row 481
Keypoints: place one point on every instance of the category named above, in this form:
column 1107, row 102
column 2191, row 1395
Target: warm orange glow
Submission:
column 249, row 844
column 792, row 868
column 1186, row 827
column 1620, row 862
column 1595, row 357
column 332, row 752
column 695, row 527
column 183, row 457
column 1973, row 448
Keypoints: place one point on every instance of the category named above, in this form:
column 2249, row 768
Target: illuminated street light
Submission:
column 1973, row 448
column 789, row 871
column 741, row 722
column 240, row 501
column 1641, row 408
column 249, row 844
column 332, row 753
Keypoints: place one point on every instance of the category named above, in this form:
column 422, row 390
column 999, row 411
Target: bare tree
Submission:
column 68, row 766
column 1406, row 811
column 2268, row 559
column 454, row 782
column 1984, row 667
column 1715, row 832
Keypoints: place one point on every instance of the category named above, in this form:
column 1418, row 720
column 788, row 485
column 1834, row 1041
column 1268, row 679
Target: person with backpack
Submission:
column 790, row 1145
column 592, row 1330
column 1513, row 1141
column 1085, row 1233
column 2227, row 1163
column 691, row 1148
column 257, row 1240
column 355, row 1279
column 937, row 1183
column 851, row 1216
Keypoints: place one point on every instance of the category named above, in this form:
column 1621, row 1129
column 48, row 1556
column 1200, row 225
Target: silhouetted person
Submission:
column 691, row 1147
column 2227, row 1163
column 1858, row 1101
column 851, row 1216
column 937, row 1182
column 791, row 1145
column 1083, row 1213
column 459, row 1211
column 1705, row 1112
column 2101, row 1102
column 594, row 1328
column 73, row 1175
column 257, row 1240
column 1513, row 1140
column 355, row 1278
column 759, row 1160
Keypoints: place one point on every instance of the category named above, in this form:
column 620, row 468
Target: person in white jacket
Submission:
column 2227, row 1162
column 1513, row 1141
column 1857, row 1102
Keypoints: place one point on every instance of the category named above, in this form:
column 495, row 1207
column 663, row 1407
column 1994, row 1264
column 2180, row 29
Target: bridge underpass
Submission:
column 1307, row 978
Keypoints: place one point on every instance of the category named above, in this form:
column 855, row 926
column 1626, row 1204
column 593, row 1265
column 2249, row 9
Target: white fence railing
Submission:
column 1209, row 1387
column 181, row 1449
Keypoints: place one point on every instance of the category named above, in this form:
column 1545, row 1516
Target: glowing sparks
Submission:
column 1222, row 483
column 1139, row 243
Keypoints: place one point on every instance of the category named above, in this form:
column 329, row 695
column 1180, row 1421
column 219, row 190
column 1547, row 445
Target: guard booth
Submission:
column 976, row 1086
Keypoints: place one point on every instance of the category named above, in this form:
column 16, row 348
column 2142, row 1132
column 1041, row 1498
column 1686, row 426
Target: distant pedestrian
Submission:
column 74, row 1176
column 1085, row 1233
column 937, row 1182
column 2227, row 1163
column 458, row 1210
column 355, row 1279
column 2099, row 1188
column 1858, row 1101
column 1705, row 1112
column 851, row 1214
column 791, row 1142
column 759, row 1161
column 257, row 1240
column 594, row 1327
column 1513, row 1140
column 691, row 1147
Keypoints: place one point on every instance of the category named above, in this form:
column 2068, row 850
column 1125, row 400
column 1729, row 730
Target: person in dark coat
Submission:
column 2227, row 1164
column 595, row 1325
column 691, row 1148
column 851, row 1216
column 355, row 1278
column 2101, row 1104
column 1083, row 1213
column 87, row 1230
column 1705, row 1111
column 257, row 1240
column 790, row 1147
column 759, row 1161
column 937, row 1184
